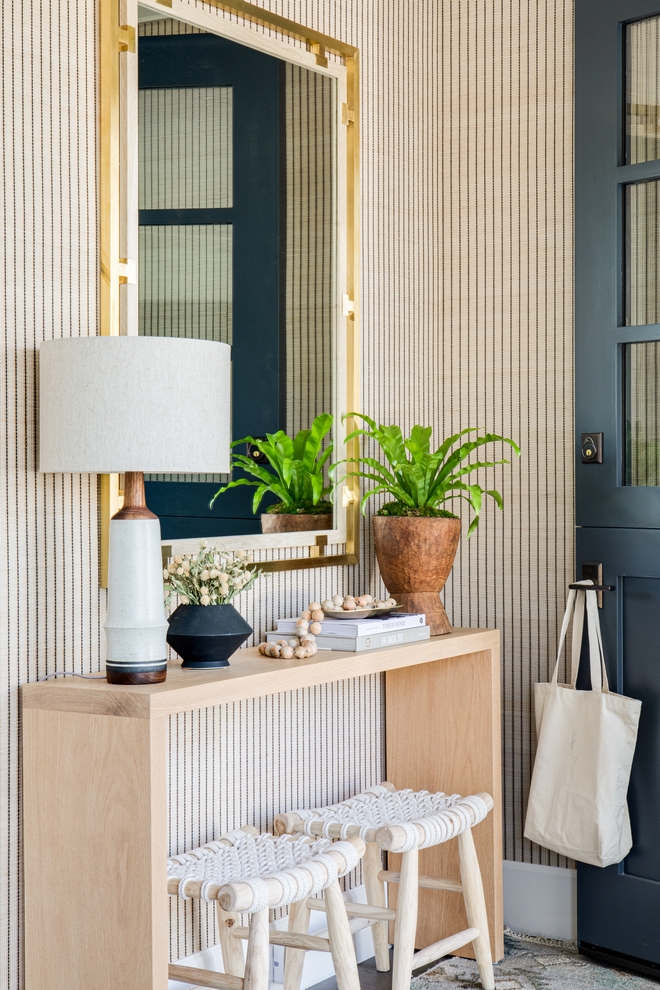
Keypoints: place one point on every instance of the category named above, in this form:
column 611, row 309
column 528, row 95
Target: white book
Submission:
column 360, row 627
column 356, row 644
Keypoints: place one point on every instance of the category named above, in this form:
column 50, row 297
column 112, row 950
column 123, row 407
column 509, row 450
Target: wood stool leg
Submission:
column 475, row 907
column 258, row 953
column 405, row 926
column 371, row 866
column 232, row 950
column 294, row 959
column 341, row 942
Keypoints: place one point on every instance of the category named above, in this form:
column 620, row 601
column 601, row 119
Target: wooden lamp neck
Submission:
column 135, row 505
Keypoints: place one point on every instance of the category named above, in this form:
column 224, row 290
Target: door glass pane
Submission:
column 642, row 364
column 185, row 284
column 185, row 148
column 642, row 253
column 643, row 91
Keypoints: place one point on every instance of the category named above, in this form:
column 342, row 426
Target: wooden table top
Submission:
column 248, row 676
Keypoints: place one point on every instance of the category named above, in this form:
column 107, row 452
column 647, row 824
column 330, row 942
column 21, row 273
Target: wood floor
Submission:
column 370, row 978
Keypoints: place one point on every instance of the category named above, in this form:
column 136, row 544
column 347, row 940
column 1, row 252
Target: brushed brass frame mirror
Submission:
column 291, row 42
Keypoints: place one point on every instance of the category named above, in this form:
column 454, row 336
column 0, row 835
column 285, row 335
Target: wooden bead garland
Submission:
column 298, row 647
column 308, row 626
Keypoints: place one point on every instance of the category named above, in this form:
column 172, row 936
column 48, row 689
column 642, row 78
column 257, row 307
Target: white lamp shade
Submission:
column 152, row 404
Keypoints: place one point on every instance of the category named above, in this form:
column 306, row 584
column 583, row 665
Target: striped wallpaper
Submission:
column 310, row 245
column 467, row 275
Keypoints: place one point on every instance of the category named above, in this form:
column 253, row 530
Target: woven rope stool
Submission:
column 404, row 822
column 245, row 872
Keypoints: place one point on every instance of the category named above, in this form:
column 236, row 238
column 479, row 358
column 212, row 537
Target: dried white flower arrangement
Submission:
column 210, row 577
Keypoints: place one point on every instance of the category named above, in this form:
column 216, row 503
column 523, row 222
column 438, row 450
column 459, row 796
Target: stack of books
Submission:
column 354, row 635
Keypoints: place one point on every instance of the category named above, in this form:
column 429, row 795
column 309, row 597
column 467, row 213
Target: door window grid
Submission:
column 642, row 255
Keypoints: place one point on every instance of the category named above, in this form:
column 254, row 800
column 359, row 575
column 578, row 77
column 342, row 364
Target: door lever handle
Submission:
column 592, row 587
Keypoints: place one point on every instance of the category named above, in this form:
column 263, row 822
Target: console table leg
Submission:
column 95, row 838
column 443, row 734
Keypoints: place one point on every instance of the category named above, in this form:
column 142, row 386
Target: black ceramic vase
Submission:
column 205, row 636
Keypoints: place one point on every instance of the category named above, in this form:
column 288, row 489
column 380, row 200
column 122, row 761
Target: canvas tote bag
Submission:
column 586, row 742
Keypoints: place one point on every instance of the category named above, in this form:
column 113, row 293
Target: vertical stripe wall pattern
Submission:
column 467, row 270
column 310, row 245
column 51, row 607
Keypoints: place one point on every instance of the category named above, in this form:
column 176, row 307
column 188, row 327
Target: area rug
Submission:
column 532, row 964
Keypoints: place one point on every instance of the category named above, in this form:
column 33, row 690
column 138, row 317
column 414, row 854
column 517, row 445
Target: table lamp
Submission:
column 130, row 405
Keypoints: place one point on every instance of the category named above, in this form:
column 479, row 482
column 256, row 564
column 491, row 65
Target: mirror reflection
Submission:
column 237, row 243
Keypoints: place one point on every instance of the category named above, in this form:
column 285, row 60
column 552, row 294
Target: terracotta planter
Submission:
column 415, row 556
column 293, row 522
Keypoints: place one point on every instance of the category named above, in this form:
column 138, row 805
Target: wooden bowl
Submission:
column 359, row 613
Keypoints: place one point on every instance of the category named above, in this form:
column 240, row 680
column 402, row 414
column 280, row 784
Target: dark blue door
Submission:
column 211, row 241
column 617, row 377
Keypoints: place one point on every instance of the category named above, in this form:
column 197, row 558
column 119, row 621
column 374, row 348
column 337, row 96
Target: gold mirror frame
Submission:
column 117, row 46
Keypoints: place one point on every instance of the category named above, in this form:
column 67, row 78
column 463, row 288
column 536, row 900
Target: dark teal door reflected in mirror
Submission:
column 236, row 196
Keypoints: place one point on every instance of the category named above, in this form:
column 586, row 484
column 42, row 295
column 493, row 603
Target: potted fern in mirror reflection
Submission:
column 206, row 629
column 293, row 473
column 416, row 536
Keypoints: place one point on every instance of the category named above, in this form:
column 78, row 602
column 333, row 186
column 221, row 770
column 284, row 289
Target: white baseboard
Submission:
column 318, row 965
column 540, row 900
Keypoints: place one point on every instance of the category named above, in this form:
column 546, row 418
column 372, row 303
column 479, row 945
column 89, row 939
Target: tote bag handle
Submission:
column 576, row 599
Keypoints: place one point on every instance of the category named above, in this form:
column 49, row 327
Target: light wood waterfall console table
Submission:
column 95, row 795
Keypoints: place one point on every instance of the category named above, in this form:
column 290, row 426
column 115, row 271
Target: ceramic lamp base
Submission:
column 135, row 626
